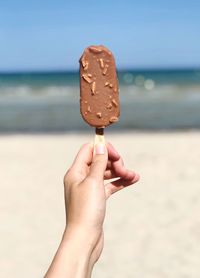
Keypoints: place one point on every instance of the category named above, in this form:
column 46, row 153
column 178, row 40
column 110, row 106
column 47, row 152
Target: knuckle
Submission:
column 67, row 176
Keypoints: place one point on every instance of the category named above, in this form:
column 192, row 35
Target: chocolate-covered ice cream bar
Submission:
column 99, row 98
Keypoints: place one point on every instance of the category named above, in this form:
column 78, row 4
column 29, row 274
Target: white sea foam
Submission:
column 28, row 91
column 50, row 108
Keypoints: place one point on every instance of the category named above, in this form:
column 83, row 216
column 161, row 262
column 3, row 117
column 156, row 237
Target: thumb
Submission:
column 99, row 162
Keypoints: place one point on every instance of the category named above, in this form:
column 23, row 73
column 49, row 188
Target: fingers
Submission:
column 112, row 153
column 110, row 163
column 99, row 162
column 109, row 174
column 119, row 184
column 105, row 164
column 121, row 171
column 85, row 156
column 116, row 168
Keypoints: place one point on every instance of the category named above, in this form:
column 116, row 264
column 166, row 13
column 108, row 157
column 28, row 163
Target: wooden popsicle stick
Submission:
column 99, row 137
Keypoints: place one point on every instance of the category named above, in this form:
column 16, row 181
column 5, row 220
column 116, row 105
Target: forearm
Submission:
column 72, row 259
column 90, row 269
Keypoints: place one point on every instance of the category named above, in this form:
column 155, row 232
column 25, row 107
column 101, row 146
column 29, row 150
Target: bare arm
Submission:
column 85, row 200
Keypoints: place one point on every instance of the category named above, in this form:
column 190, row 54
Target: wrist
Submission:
column 84, row 239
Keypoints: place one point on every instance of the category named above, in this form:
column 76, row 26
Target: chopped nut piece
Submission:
column 89, row 74
column 106, row 84
column 86, row 66
column 93, row 88
column 109, row 106
column 110, row 85
column 99, row 115
column 113, row 119
column 114, row 102
column 86, row 78
column 95, row 49
column 101, row 63
column 84, row 63
column 89, row 109
column 105, row 70
column 115, row 90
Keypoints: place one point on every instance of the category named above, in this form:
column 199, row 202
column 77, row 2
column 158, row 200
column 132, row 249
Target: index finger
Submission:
column 112, row 153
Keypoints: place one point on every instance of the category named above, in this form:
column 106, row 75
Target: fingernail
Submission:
column 100, row 149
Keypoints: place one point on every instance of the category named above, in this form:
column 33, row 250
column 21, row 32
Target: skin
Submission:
column 87, row 187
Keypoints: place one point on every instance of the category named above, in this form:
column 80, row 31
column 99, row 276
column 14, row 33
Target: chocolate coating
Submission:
column 99, row 97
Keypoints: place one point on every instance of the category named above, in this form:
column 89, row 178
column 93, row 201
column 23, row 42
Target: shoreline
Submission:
column 91, row 130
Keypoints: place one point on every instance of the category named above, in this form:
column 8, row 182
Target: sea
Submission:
column 150, row 100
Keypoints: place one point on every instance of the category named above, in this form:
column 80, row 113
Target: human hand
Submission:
column 88, row 186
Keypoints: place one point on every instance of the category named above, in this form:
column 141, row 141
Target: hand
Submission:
column 87, row 187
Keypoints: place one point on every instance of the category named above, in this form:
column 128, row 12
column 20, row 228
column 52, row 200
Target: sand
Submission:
column 152, row 229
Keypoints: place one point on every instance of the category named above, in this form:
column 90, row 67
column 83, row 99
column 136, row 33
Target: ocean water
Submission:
column 49, row 102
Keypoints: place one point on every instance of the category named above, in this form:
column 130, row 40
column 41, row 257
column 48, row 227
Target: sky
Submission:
column 51, row 35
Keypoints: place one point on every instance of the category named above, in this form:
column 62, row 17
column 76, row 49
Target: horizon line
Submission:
column 142, row 69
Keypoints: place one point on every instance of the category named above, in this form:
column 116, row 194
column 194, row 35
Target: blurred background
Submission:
column 156, row 45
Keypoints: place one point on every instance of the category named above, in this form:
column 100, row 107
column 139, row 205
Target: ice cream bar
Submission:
column 99, row 98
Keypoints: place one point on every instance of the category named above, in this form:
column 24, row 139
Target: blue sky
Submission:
column 51, row 35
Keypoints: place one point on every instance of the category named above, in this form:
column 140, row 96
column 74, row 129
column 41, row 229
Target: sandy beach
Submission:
column 152, row 229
